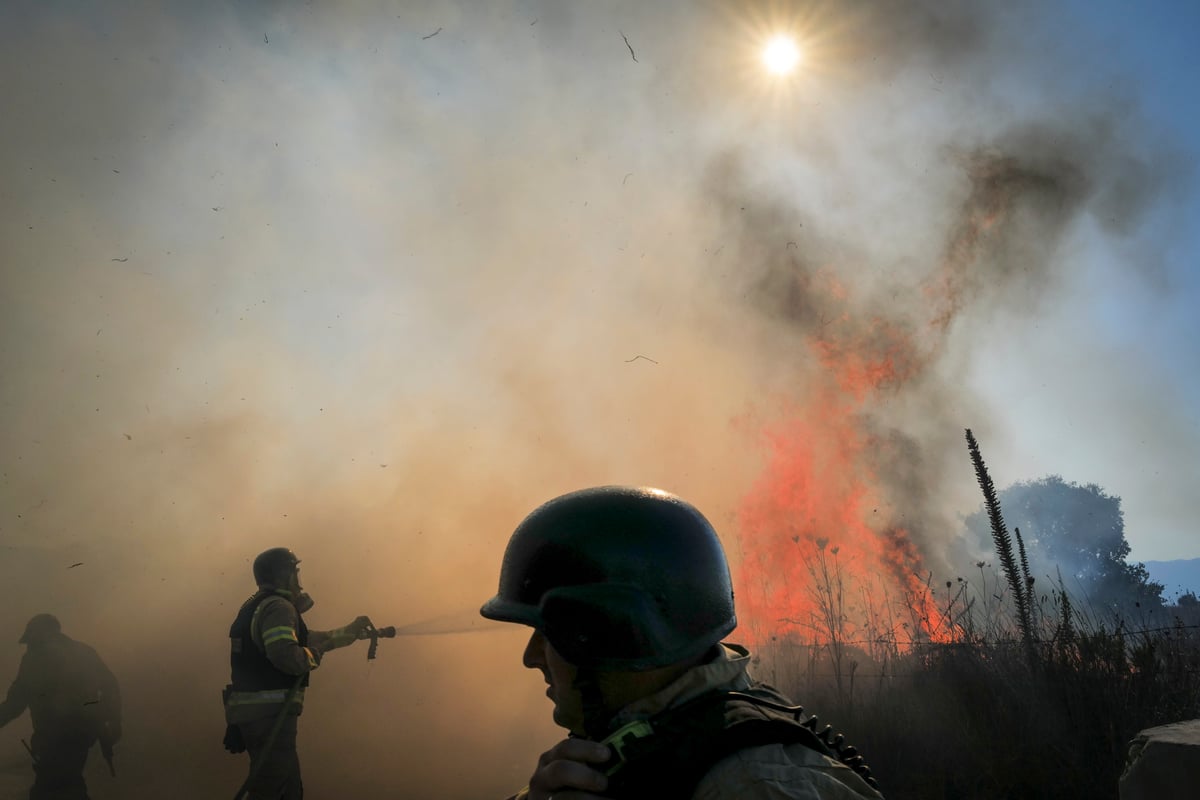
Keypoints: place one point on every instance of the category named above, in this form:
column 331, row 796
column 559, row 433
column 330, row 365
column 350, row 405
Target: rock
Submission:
column 1163, row 763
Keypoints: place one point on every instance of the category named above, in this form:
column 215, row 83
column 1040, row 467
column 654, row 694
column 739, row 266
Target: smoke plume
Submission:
column 374, row 280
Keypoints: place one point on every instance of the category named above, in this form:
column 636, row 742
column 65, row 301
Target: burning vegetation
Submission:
column 833, row 478
column 999, row 678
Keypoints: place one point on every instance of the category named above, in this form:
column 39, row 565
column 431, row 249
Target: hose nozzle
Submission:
column 375, row 634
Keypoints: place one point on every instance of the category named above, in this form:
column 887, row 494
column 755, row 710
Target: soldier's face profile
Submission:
column 560, row 679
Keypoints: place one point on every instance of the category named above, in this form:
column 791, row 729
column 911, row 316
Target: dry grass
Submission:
column 1001, row 693
column 998, row 711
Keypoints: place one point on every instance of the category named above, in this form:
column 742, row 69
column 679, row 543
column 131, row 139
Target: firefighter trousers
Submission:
column 60, row 755
column 276, row 771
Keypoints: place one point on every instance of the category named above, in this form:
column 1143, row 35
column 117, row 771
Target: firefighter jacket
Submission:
column 67, row 688
column 715, row 739
column 269, row 657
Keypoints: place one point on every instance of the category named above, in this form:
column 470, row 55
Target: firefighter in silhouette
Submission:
column 73, row 701
column 272, row 653
column 628, row 593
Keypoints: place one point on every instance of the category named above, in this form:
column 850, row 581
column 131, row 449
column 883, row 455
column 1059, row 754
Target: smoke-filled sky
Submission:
column 375, row 279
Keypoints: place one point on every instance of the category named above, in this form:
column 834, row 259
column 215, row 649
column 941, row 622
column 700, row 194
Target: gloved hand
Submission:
column 106, row 750
column 359, row 628
column 345, row 635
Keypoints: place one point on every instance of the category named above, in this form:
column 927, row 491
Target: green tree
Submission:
column 1078, row 532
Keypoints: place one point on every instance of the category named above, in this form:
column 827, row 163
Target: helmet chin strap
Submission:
column 596, row 715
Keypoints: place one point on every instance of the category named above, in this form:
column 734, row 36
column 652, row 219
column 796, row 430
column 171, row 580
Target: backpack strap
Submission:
column 686, row 741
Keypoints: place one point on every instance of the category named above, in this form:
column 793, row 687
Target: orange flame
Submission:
column 815, row 503
column 823, row 557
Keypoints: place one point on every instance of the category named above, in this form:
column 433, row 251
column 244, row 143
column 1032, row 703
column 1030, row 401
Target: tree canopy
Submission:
column 1078, row 532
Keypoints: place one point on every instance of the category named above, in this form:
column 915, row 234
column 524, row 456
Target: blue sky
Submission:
column 1097, row 379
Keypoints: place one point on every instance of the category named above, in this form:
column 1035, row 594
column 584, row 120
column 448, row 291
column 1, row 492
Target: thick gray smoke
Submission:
column 374, row 280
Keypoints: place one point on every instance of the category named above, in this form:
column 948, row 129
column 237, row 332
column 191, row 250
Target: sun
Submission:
column 781, row 55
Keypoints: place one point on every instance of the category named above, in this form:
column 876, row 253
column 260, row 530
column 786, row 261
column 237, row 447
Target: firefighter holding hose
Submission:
column 272, row 652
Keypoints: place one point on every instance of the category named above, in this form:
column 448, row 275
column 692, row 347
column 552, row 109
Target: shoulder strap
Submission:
column 690, row 738
column 263, row 602
column 824, row 740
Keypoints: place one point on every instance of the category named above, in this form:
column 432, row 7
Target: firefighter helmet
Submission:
column 38, row 627
column 617, row 578
column 272, row 566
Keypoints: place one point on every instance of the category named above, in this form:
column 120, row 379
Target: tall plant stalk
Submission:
column 1026, row 577
column 1004, row 547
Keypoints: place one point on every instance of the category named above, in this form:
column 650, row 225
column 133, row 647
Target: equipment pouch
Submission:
column 234, row 742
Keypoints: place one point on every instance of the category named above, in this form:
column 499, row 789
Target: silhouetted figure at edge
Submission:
column 73, row 700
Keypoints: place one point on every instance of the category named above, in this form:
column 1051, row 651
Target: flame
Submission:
column 820, row 544
column 823, row 555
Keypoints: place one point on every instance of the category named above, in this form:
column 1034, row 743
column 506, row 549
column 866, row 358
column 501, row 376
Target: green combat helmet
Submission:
column 617, row 578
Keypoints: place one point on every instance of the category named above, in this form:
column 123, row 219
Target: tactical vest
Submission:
column 250, row 668
column 690, row 739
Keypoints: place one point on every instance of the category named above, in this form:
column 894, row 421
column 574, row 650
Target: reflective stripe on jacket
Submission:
column 273, row 697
